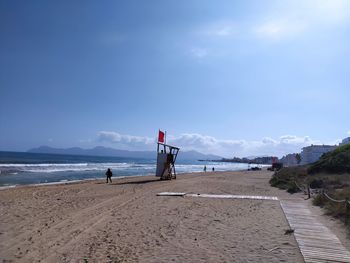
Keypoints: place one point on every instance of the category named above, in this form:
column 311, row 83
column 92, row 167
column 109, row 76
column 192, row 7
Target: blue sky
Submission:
column 234, row 78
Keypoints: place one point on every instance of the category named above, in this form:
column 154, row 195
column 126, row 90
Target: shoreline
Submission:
column 41, row 171
column 5, row 187
column 63, row 182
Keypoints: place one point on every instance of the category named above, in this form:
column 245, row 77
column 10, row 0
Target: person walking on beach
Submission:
column 205, row 168
column 213, row 169
column 109, row 175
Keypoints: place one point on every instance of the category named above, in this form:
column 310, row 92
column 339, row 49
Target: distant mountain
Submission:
column 105, row 151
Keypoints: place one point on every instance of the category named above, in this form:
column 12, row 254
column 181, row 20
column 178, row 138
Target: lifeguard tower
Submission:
column 166, row 157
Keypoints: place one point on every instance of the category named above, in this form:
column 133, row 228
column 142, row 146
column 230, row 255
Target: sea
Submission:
column 21, row 168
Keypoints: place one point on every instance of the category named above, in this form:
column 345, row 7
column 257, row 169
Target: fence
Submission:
column 312, row 191
column 346, row 201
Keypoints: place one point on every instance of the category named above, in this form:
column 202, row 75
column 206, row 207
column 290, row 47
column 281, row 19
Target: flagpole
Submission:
column 165, row 138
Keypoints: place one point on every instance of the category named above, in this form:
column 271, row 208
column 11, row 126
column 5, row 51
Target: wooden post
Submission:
column 308, row 191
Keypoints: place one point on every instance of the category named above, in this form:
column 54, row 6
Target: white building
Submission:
column 289, row 160
column 311, row 154
column 345, row 141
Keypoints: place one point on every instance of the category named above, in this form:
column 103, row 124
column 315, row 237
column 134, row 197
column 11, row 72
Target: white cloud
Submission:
column 229, row 148
column 279, row 21
column 211, row 145
column 204, row 143
column 330, row 11
column 291, row 139
column 348, row 132
column 206, row 38
column 224, row 31
column 270, row 29
column 199, row 52
column 278, row 29
column 335, row 142
column 265, row 146
column 292, row 18
column 219, row 29
column 125, row 141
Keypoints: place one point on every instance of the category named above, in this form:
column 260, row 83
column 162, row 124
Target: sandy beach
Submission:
column 126, row 222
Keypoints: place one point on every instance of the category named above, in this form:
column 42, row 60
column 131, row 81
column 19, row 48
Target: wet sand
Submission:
column 126, row 222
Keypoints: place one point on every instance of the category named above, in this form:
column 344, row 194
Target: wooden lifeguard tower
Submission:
column 166, row 157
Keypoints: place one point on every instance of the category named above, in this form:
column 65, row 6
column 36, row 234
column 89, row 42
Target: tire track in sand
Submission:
column 75, row 229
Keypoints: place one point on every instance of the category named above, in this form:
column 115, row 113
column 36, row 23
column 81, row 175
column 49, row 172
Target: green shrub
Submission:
column 337, row 210
column 286, row 178
column 337, row 161
column 316, row 183
column 292, row 188
column 319, row 200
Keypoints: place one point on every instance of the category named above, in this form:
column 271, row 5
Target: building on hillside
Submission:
column 264, row 160
column 345, row 141
column 311, row 154
column 289, row 159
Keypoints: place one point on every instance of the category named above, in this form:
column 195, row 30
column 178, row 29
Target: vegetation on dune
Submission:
column 340, row 210
column 287, row 177
column 331, row 173
column 337, row 161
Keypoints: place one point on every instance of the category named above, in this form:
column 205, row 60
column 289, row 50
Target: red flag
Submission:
column 161, row 137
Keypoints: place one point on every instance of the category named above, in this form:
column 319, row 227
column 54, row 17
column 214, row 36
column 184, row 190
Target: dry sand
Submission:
column 126, row 221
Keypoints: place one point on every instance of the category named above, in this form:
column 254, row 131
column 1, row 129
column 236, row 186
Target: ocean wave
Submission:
column 84, row 169
column 9, row 168
column 67, row 167
column 55, row 164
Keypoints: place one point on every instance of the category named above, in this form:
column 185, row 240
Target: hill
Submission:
column 105, row 151
column 337, row 161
